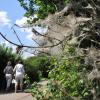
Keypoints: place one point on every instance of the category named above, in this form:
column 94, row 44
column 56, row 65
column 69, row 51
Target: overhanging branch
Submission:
column 33, row 46
column 37, row 33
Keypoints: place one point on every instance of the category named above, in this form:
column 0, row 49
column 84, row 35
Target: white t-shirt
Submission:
column 19, row 70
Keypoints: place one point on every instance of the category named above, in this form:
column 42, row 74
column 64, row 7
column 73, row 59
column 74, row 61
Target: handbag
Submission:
column 13, row 81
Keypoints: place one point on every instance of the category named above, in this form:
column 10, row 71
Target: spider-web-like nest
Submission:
column 63, row 28
column 80, row 30
column 93, row 59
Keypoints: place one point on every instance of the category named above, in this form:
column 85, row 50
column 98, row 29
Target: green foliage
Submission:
column 26, row 81
column 41, row 8
column 66, row 80
column 35, row 90
column 66, row 72
column 53, row 91
column 37, row 67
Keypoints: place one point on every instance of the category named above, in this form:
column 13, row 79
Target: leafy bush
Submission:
column 37, row 67
column 41, row 7
column 68, row 82
column 26, row 81
column 71, row 79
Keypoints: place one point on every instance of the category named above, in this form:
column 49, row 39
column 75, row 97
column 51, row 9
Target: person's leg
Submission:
column 21, row 83
column 7, row 85
column 16, row 84
column 9, row 79
column 16, row 87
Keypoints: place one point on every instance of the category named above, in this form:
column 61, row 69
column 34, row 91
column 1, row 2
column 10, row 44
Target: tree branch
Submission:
column 17, row 35
column 37, row 33
column 33, row 46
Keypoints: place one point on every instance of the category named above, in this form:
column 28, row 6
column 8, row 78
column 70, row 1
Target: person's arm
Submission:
column 4, row 70
column 14, row 69
column 23, row 70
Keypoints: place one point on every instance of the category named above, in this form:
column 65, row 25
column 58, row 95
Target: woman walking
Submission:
column 8, row 74
column 19, row 75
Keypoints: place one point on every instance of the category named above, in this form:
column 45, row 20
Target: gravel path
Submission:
column 16, row 96
column 19, row 95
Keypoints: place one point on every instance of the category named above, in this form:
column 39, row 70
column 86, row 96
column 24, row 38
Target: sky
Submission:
column 12, row 13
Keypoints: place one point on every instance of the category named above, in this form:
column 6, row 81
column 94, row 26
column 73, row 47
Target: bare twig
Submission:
column 37, row 33
column 50, row 46
column 16, row 35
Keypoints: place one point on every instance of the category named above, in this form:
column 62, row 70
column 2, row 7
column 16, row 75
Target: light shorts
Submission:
column 19, row 78
column 8, row 79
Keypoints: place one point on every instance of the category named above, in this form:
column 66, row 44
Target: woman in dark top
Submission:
column 8, row 74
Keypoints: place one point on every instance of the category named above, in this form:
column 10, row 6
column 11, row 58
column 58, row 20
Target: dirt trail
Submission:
column 16, row 96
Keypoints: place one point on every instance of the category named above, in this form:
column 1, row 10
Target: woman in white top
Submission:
column 19, row 75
